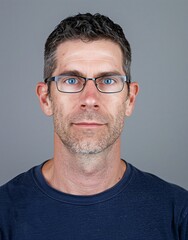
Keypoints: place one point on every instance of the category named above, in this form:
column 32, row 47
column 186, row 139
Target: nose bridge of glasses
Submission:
column 92, row 79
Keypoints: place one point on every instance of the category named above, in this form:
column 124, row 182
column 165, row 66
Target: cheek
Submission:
column 116, row 112
column 58, row 112
column 118, row 106
column 57, row 117
column 60, row 104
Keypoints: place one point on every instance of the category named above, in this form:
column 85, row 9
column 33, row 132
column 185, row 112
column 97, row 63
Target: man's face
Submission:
column 89, row 122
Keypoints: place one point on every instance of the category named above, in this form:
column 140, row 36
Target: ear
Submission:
column 44, row 99
column 134, row 89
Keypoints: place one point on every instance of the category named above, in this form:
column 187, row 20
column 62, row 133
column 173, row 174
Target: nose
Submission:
column 90, row 96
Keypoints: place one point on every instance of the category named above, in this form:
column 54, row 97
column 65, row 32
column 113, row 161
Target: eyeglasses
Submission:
column 75, row 84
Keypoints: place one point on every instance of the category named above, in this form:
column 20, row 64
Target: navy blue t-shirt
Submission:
column 139, row 207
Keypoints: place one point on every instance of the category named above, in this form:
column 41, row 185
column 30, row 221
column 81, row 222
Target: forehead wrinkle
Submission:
column 89, row 69
column 103, row 54
column 90, row 59
column 96, row 50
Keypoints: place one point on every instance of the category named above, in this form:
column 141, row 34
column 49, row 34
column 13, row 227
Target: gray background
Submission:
column 155, row 137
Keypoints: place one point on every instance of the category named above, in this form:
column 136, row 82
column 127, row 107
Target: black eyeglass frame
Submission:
column 56, row 79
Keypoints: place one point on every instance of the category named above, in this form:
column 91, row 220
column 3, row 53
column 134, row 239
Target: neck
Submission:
column 84, row 174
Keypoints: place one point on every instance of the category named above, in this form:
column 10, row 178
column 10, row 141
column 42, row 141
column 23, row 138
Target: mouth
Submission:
column 89, row 124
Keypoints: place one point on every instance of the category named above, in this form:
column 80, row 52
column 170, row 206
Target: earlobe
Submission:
column 134, row 89
column 43, row 96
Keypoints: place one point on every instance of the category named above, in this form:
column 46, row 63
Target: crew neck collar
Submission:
column 106, row 195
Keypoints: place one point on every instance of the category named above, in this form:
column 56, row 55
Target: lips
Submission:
column 88, row 124
column 88, row 119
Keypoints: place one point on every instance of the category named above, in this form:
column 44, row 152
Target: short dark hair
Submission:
column 86, row 27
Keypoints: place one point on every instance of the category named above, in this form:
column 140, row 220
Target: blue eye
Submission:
column 108, row 81
column 72, row 81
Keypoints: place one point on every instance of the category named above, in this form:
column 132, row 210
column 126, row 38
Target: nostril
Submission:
column 94, row 106
column 83, row 105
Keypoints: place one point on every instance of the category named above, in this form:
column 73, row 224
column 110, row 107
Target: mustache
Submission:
column 88, row 116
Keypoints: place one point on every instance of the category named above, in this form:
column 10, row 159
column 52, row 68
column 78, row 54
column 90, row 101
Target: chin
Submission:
column 88, row 147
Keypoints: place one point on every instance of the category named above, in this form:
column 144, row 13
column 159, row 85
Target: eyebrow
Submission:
column 80, row 74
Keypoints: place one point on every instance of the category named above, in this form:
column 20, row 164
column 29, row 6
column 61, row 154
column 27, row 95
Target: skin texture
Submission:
column 87, row 125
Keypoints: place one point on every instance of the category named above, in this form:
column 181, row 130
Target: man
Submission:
column 86, row 191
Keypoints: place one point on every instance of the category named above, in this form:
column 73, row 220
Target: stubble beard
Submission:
column 88, row 141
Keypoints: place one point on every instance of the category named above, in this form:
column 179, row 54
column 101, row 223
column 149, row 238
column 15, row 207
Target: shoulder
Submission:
column 154, row 183
column 14, row 190
column 163, row 204
column 10, row 188
column 161, row 191
column 158, row 186
column 15, row 196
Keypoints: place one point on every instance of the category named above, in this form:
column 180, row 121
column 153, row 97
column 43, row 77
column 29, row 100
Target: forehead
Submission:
column 100, row 55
